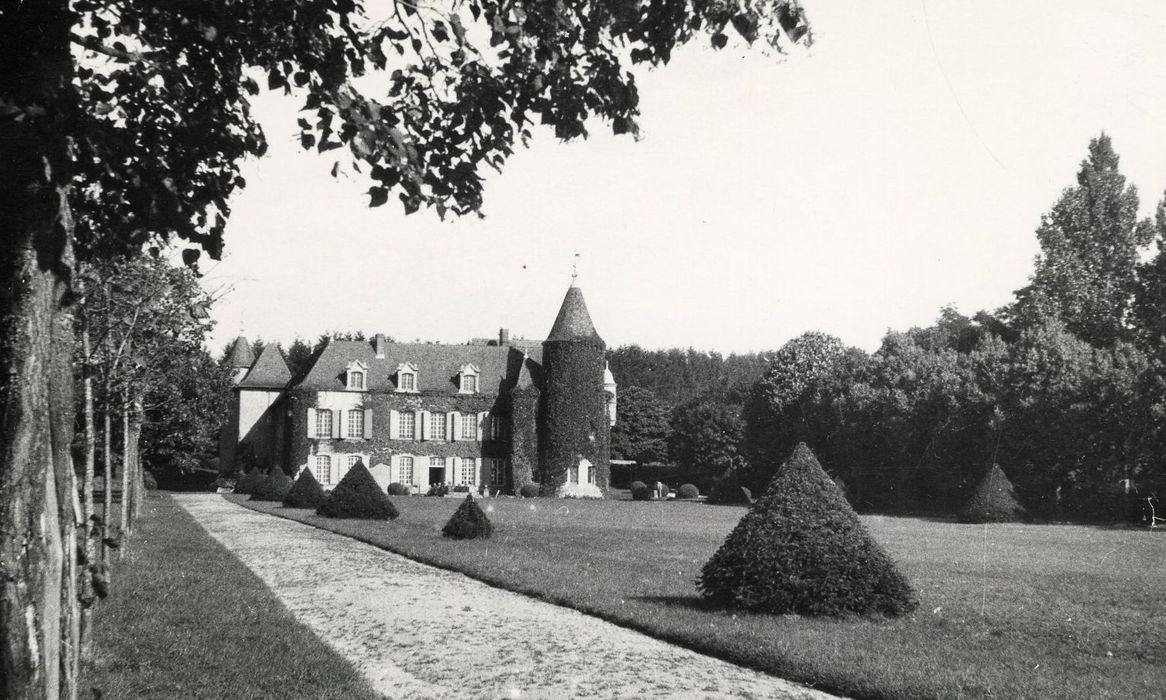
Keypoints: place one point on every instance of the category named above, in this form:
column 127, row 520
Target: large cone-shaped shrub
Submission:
column 249, row 481
column 802, row 549
column 468, row 522
column 993, row 501
column 305, row 493
column 358, row 496
column 273, row 487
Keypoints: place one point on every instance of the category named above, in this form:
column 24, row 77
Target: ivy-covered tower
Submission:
column 575, row 430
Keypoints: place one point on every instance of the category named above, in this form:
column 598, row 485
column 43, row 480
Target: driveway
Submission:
column 416, row 631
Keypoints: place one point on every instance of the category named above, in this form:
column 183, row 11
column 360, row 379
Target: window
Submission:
column 497, row 428
column 436, row 426
column 356, row 380
column 405, row 425
column 467, row 472
column 356, row 424
column 356, row 375
column 406, row 470
column 469, row 426
column 407, row 381
column 324, row 469
column 323, row 422
column 353, row 460
column 468, row 379
column 437, row 463
column 497, row 471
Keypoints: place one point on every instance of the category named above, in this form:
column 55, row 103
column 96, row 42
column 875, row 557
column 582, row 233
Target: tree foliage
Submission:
column 705, row 437
column 641, row 431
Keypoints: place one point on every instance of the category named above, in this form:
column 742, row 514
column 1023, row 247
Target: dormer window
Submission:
column 356, row 375
column 468, row 379
column 407, row 377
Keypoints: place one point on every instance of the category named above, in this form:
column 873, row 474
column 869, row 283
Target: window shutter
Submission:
column 342, row 424
column 394, row 425
column 417, row 425
column 311, row 422
column 367, row 423
column 449, row 423
column 483, row 426
column 394, row 470
column 457, row 426
column 423, row 424
column 336, row 423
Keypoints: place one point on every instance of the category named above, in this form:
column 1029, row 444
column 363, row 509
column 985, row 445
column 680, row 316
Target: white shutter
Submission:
column 367, row 423
column 416, row 425
column 394, row 470
column 449, row 423
column 451, row 464
column 423, row 424
column 341, row 424
column 312, row 423
column 336, row 423
column 394, row 425
column 483, row 425
column 457, row 425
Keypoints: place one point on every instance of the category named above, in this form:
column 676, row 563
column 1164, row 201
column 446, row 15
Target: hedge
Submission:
column 358, row 496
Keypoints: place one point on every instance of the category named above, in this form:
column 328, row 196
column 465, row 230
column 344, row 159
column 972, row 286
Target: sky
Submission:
column 899, row 164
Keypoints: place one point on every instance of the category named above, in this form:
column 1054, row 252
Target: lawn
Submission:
column 186, row 619
column 1018, row 611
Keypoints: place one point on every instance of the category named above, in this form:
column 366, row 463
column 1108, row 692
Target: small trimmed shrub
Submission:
column 358, row 496
column 687, row 492
column 274, row 487
column 728, row 490
column 438, row 490
column 468, row 522
column 148, row 481
column 250, row 481
column 993, row 501
column 305, row 493
column 528, row 491
column 641, row 491
column 802, row 549
column 398, row 489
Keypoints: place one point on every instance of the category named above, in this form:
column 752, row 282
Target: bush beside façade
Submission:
column 273, row 487
column 250, row 481
column 468, row 522
column 358, row 496
column 305, row 493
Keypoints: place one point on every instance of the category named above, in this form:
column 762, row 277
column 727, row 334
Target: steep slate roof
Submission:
column 240, row 354
column 269, row 371
column 437, row 366
column 573, row 321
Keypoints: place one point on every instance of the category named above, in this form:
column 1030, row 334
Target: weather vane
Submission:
column 575, row 268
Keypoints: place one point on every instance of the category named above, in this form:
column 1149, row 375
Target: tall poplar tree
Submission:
column 1086, row 273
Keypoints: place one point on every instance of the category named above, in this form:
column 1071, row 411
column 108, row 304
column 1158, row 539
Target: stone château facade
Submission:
column 490, row 416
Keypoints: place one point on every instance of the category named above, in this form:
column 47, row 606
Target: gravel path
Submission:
column 420, row 632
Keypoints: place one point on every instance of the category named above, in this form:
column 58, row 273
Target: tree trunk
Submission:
column 139, row 484
column 107, row 478
column 34, row 435
column 87, row 595
column 123, row 523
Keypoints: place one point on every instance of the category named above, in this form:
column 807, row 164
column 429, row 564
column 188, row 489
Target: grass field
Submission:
column 186, row 619
column 1017, row 611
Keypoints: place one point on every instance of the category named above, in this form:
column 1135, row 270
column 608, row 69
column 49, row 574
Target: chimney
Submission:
column 503, row 336
column 379, row 343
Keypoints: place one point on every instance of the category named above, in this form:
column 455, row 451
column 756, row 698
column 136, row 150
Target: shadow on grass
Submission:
column 689, row 602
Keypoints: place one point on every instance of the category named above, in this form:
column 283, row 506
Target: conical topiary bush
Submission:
column 306, row 492
column 358, row 496
column 468, row 522
column 802, row 549
column 273, row 487
column 250, row 481
column 993, row 501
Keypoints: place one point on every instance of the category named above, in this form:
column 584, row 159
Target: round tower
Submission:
column 575, row 432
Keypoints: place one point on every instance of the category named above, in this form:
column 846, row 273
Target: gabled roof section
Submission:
column 573, row 321
column 240, row 354
column 437, row 366
column 269, row 371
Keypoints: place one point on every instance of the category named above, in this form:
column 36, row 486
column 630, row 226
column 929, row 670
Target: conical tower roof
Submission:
column 240, row 354
column 269, row 372
column 573, row 321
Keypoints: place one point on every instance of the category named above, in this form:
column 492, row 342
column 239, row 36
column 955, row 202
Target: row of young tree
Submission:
column 1065, row 388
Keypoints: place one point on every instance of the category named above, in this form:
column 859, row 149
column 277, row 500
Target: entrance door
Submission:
column 436, row 475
